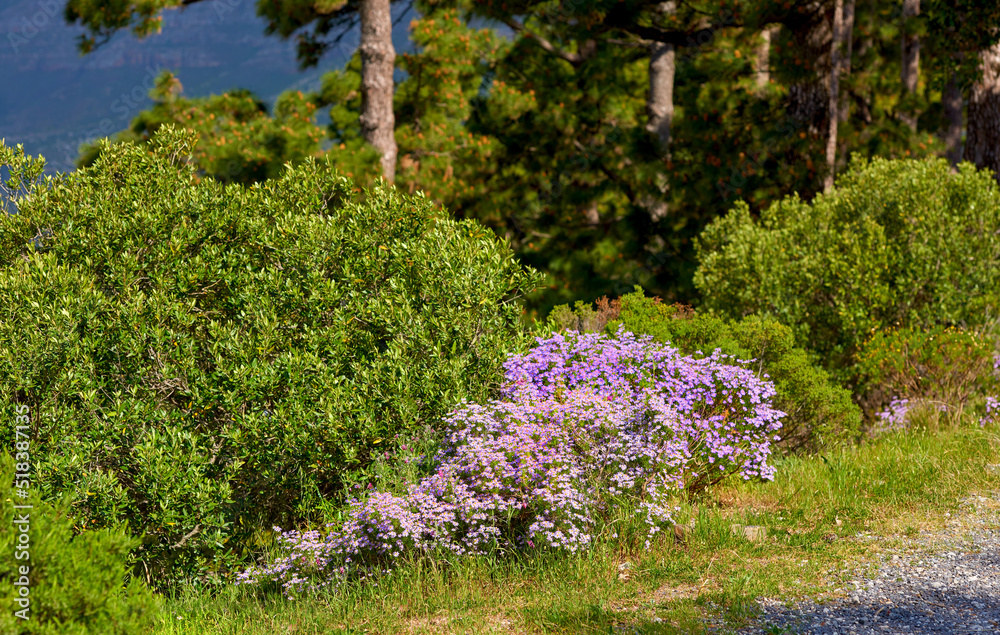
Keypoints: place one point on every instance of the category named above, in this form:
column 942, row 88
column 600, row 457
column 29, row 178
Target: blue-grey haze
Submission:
column 52, row 99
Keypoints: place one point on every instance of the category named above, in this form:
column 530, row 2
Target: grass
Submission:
column 898, row 484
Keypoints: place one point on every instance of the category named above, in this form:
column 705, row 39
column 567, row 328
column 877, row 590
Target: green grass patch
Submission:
column 812, row 513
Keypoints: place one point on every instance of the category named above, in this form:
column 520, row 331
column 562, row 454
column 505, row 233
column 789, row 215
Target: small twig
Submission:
column 576, row 59
column 707, row 569
column 181, row 542
column 933, row 603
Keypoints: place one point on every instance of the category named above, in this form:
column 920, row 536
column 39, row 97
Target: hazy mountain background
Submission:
column 52, row 99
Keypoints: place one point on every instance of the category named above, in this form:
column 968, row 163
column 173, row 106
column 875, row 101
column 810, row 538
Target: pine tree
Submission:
column 103, row 18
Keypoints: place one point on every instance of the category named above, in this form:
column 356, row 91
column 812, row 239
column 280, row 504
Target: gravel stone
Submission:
column 947, row 582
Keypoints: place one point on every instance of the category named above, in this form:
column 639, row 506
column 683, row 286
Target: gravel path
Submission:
column 947, row 582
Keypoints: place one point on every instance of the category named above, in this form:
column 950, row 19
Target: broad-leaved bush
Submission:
column 582, row 317
column 945, row 371
column 206, row 361
column 60, row 579
column 896, row 243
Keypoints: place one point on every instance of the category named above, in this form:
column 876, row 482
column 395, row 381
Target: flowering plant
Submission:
column 894, row 416
column 992, row 403
column 586, row 423
column 936, row 368
column 725, row 418
column 992, row 410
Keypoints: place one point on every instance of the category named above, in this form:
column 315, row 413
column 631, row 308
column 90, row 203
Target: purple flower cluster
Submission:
column 587, row 425
column 992, row 410
column 725, row 418
column 992, row 403
column 893, row 417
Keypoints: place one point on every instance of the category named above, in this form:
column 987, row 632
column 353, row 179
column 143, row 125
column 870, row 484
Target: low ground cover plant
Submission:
column 937, row 373
column 819, row 412
column 210, row 360
column 589, row 425
column 897, row 243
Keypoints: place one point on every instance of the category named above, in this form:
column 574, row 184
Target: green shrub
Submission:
column 945, row 368
column 582, row 317
column 210, row 360
column 74, row 580
column 897, row 243
column 819, row 412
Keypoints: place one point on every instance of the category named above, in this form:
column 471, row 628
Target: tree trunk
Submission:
column 952, row 102
column 847, row 34
column 762, row 63
column 378, row 60
column 660, row 108
column 982, row 141
column 834, row 93
column 865, row 98
column 845, row 66
column 910, row 49
column 660, row 101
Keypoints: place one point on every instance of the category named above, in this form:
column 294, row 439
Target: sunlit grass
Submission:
column 898, row 484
